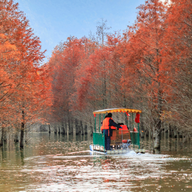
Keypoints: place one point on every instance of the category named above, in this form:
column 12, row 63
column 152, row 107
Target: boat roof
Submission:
column 116, row 110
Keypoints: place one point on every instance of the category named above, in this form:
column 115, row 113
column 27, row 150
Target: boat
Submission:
column 122, row 140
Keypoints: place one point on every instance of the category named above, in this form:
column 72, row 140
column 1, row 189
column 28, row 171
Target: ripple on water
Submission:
column 69, row 166
column 103, row 172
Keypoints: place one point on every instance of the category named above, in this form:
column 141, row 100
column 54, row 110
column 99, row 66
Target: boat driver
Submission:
column 106, row 128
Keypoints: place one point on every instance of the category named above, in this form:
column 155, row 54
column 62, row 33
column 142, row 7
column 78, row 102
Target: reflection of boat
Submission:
column 122, row 141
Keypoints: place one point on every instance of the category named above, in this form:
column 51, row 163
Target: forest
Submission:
column 147, row 67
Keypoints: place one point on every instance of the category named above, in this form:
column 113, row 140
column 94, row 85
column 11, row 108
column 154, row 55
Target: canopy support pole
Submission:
column 95, row 122
column 138, row 136
column 99, row 122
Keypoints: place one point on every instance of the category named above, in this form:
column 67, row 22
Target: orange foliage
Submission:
column 22, row 89
column 142, row 68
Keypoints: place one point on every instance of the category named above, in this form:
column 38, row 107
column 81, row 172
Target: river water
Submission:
column 61, row 163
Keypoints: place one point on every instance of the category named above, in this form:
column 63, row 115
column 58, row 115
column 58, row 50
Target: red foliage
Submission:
column 142, row 68
column 23, row 83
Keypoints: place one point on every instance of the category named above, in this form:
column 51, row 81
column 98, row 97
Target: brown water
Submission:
column 50, row 163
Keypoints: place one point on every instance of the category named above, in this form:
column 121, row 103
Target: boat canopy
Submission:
column 116, row 110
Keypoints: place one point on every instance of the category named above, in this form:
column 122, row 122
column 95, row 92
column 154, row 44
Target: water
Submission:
column 50, row 163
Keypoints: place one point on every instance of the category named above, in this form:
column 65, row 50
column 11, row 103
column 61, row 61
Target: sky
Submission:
column 55, row 20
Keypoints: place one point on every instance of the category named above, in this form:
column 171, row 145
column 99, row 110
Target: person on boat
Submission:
column 106, row 128
column 124, row 127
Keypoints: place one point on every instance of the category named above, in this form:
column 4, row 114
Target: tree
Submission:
column 26, row 85
column 65, row 60
column 146, row 43
column 178, row 40
column 101, row 31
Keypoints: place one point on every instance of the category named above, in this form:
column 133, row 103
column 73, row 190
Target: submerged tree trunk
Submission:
column 16, row 137
column 2, row 134
column 22, row 131
column 157, row 139
column 49, row 128
column 157, row 132
column 157, row 135
column 62, row 129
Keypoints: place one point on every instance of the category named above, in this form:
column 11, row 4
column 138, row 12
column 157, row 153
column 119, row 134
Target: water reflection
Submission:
column 22, row 157
column 60, row 163
column 113, row 173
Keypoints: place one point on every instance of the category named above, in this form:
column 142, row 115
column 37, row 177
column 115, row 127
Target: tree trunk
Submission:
column 77, row 127
column 2, row 134
column 157, row 139
column 22, row 131
column 16, row 138
column 55, row 129
column 62, row 129
column 71, row 124
column 81, row 127
column 22, row 136
column 59, row 131
column 3, row 137
column 49, row 129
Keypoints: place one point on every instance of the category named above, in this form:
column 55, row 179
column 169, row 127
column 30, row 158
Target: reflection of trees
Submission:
column 22, row 157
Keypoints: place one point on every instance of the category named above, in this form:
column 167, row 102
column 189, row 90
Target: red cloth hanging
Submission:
column 137, row 118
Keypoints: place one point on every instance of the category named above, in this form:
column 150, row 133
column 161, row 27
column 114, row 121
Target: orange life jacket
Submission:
column 112, row 127
column 124, row 127
column 105, row 124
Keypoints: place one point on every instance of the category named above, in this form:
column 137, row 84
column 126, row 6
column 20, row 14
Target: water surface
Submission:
column 57, row 163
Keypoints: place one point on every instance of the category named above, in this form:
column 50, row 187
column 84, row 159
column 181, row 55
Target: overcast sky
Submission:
column 55, row 20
